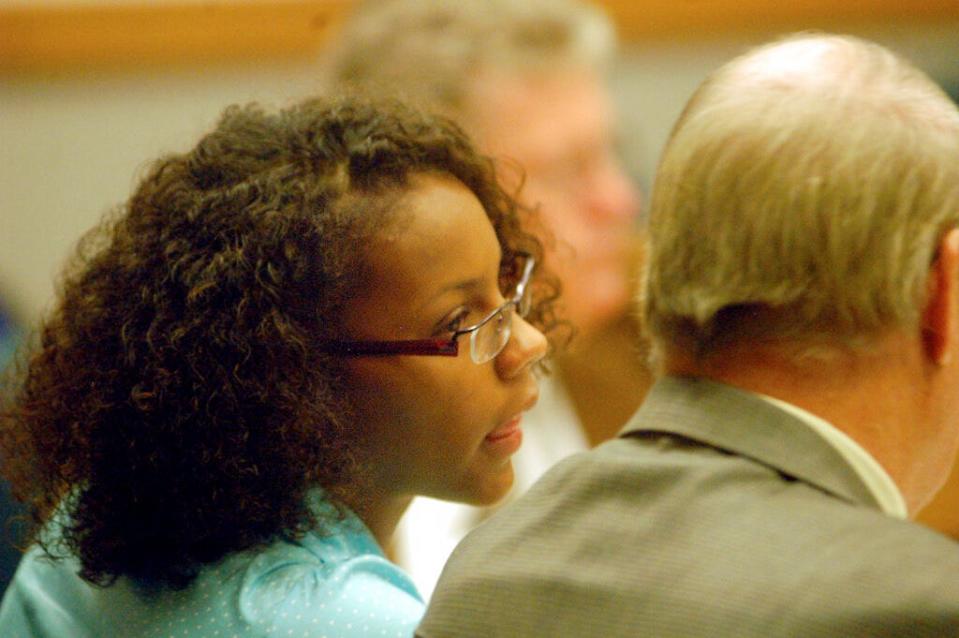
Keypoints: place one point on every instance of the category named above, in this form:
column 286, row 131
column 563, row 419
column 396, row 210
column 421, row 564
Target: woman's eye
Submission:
column 457, row 321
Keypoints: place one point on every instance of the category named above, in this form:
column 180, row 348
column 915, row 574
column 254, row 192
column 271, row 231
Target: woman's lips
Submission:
column 506, row 439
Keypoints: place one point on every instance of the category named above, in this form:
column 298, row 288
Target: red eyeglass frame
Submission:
column 429, row 347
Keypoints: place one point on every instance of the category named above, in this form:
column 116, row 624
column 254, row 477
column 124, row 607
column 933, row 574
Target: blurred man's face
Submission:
column 558, row 127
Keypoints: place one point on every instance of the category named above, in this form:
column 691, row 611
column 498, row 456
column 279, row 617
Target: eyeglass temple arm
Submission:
column 524, row 280
column 441, row 347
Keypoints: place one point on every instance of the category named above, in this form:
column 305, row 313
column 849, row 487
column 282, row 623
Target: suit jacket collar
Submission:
column 739, row 422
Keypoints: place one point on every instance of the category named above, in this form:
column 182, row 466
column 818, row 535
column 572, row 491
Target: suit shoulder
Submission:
column 678, row 540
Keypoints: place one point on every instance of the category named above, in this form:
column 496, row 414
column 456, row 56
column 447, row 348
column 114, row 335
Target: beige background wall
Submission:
column 657, row 78
column 71, row 146
column 72, row 141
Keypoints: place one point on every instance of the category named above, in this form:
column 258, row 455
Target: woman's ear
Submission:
column 940, row 316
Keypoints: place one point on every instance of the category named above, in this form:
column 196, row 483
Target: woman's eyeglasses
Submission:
column 488, row 336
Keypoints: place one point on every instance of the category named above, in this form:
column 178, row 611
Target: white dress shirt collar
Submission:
column 877, row 480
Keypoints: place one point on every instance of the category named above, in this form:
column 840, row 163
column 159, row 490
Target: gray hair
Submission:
column 427, row 51
column 801, row 195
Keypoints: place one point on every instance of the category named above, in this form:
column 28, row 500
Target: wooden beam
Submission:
column 47, row 36
column 43, row 37
column 643, row 20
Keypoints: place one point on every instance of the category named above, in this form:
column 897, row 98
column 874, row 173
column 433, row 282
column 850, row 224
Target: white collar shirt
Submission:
column 877, row 480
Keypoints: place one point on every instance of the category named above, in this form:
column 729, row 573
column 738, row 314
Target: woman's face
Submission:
column 438, row 426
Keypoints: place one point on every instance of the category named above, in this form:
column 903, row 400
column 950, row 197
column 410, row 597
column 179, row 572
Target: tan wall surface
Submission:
column 75, row 131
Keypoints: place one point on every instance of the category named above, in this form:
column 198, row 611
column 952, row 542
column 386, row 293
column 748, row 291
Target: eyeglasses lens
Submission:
column 491, row 338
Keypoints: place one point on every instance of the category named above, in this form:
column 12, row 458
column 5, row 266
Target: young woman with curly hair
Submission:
column 231, row 404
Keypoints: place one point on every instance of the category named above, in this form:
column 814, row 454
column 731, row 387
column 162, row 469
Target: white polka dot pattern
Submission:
column 335, row 585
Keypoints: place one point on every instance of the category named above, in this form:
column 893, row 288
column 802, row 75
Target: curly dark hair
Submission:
column 176, row 408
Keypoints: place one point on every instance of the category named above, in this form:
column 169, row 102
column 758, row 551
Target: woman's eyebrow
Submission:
column 465, row 285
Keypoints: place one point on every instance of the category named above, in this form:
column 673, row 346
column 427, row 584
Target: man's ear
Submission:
column 940, row 317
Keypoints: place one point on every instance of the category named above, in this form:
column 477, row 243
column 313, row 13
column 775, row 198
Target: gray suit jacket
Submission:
column 713, row 514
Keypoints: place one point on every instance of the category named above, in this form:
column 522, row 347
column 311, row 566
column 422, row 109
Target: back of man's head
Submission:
column 800, row 197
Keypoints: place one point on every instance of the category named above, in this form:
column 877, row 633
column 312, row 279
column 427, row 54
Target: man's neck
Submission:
column 875, row 397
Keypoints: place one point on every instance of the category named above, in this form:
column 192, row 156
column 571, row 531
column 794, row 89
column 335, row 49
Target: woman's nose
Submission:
column 526, row 347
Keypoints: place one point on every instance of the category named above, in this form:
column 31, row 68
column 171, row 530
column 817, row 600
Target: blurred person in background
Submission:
column 526, row 79
column 10, row 334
